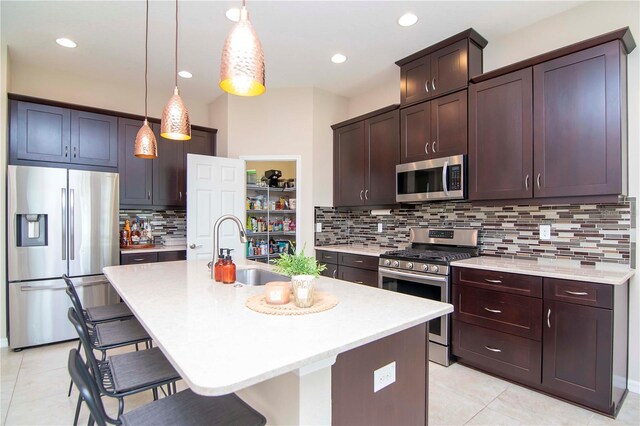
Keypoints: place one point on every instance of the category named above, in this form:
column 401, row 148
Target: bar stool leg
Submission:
column 78, row 405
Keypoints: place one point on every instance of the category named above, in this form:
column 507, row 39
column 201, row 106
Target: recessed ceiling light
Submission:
column 407, row 20
column 65, row 42
column 338, row 58
column 185, row 74
column 233, row 14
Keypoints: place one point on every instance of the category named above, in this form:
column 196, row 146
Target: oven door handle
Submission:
column 390, row 273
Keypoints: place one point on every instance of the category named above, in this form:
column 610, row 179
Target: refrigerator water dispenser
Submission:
column 31, row 230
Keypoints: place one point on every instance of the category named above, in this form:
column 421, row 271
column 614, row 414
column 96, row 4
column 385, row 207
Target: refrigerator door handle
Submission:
column 72, row 226
column 64, row 223
column 27, row 287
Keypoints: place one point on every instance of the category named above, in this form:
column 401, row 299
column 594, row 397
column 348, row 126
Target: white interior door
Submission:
column 215, row 187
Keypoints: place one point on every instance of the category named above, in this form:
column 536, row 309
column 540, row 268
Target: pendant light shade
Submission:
column 175, row 119
column 175, row 122
column 145, row 145
column 242, row 68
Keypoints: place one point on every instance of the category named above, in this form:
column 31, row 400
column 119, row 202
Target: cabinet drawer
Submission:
column 132, row 258
column 509, row 313
column 331, row 271
column 356, row 261
column 510, row 356
column 323, row 256
column 578, row 292
column 169, row 256
column 359, row 276
column 524, row 285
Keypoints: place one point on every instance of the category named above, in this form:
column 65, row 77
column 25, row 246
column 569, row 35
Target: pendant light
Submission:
column 242, row 68
column 175, row 123
column 145, row 145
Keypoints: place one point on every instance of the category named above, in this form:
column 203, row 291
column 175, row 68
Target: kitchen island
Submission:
column 311, row 369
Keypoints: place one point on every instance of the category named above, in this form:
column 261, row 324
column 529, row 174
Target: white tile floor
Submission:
column 33, row 391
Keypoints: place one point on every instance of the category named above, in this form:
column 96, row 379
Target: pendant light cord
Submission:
column 146, row 57
column 176, row 73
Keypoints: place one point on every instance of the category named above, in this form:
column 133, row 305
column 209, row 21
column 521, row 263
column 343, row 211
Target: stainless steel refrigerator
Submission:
column 59, row 221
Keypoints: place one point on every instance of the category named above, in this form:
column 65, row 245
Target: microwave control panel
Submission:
column 455, row 178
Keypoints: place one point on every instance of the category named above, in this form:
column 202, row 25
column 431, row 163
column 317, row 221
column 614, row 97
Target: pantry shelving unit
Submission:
column 284, row 239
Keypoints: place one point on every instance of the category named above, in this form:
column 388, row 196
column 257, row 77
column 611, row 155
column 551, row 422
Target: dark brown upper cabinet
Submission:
column 442, row 68
column 136, row 178
column 366, row 152
column 501, row 137
column 579, row 120
column 553, row 126
column 434, row 129
column 94, row 139
column 39, row 132
column 169, row 172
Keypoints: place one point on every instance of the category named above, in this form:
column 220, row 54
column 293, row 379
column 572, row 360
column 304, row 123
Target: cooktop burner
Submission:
column 427, row 255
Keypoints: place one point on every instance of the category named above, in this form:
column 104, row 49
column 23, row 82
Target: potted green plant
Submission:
column 303, row 271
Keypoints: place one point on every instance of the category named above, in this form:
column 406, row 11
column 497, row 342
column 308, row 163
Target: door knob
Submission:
column 193, row 246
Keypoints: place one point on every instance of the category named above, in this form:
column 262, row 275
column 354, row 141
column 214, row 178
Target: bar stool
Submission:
column 124, row 374
column 98, row 314
column 183, row 408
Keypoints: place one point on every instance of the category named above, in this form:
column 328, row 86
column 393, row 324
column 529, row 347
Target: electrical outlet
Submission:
column 318, row 227
column 545, row 232
column 384, row 376
column 379, row 227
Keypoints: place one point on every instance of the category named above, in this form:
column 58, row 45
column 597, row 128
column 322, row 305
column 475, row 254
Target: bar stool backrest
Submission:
column 88, row 389
column 73, row 294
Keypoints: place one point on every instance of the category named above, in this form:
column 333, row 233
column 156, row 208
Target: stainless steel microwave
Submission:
column 429, row 180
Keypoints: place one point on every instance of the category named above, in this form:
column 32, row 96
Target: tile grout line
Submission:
column 13, row 388
column 489, row 403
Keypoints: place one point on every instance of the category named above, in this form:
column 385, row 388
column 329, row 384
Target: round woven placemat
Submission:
column 322, row 302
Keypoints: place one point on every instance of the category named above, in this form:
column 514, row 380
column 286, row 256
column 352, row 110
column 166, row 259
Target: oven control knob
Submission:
column 435, row 268
column 395, row 263
column 425, row 268
column 387, row 262
column 409, row 265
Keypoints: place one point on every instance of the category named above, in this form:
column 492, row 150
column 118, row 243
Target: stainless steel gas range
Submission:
column 423, row 271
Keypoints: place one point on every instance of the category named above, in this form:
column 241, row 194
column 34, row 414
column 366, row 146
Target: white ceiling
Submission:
column 298, row 37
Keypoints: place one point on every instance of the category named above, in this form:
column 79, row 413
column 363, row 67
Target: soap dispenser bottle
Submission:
column 228, row 269
column 218, row 266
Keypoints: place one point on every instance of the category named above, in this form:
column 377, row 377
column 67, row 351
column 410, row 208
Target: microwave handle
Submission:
column 444, row 178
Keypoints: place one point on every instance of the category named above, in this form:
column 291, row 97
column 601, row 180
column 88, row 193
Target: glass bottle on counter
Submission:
column 228, row 269
column 218, row 266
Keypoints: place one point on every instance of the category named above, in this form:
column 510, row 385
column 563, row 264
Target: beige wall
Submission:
column 4, row 83
column 285, row 122
column 83, row 90
column 219, row 119
column 387, row 93
column 585, row 21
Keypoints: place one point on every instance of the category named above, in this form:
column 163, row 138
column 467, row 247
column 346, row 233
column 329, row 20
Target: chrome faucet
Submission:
column 216, row 236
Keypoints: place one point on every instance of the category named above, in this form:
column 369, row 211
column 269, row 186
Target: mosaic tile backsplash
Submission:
column 163, row 222
column 589, row 233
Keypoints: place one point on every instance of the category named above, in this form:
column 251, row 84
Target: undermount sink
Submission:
column 255, row 276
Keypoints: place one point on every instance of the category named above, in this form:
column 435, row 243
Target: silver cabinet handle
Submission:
column 139, row 259
column 72, row 226
column 74, row 152
column 358, row 282
column 493, row 281
column 194, row 246
column 445, row 170
column 426, row 86
column 426, row 148
column 526, row 182
column 576, row 293
column 66, row 151
column 361, row 192
column 358, row 261
column 433, row 146
column 149, row 195
column 489, row 348
column 433, row 83
column 538, row 180
column 63, row 204
column 335, row 271
column 493, row 311
column 180, row 195
column 366, row 194
column 549, row 318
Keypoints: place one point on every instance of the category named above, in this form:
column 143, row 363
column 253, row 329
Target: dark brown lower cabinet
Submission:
column 404, row 402
column 359, row 276
column 349, row 267
column 152, row 257
column 578, row 353
column 575, row 349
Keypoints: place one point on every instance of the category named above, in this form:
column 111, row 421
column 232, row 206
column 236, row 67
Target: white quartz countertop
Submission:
column 551, row 268
column 157, row 248
column 218, row 345
column 368, row 250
